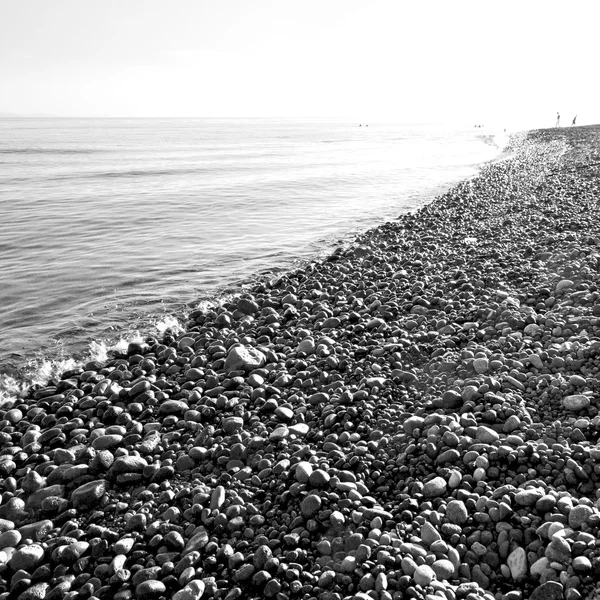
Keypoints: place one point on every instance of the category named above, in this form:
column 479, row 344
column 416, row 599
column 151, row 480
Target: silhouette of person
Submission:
column 574, row 119
column 557, row 119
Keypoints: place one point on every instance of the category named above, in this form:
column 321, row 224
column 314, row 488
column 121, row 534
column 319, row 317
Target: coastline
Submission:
column 416, row 414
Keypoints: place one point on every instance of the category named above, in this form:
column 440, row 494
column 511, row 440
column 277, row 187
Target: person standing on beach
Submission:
column 574, row 119
column 557, row 119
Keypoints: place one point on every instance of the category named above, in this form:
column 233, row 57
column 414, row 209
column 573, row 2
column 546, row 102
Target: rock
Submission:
column 310, row 505
column 27, row 558
column 303, row 471
column 450, row 399
column 579, row 515
column 150, row 590
column 197, row 541
column 319, row 478
column 424, row 575
column 558, row 550
column 456, row 512
column 232, row 425
column 443, row 569
column 244, row 358
column 551, row 590
column 481, row 365
column 517, row 563
column 37, row 591
column 173, row 407
column 582, row 564
column 435, row 487
column 529, row 496
column 429, row 534
column 486, row 435
column 89, row 494
column 576, row 402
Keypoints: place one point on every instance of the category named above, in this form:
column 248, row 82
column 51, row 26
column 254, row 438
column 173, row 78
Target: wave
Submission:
column 49, row 151
column 40, row 370
column 112, row 175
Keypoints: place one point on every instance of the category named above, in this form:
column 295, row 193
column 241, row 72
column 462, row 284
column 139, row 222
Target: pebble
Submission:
column 576, row 402
column 435, row 487
column 394, row 420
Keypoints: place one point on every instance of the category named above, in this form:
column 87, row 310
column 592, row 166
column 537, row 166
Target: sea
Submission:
column 115, row 229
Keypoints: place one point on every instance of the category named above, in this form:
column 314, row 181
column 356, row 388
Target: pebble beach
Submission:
column 415, row 416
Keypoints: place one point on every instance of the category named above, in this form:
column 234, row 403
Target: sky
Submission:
column 511, row 63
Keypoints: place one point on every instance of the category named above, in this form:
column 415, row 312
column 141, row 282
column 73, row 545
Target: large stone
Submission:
column 456, row 512
column 89, row 494
column 244, row 358
column 517, row 563
column 435, row 488
column 576, row 402
column 27, row 558
column 310, row 505
column 551, row 590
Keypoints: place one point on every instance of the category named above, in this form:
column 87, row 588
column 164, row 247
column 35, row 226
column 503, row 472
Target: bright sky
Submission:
column 513, row 63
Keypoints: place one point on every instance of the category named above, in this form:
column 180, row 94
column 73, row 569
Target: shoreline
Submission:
column 414, row 416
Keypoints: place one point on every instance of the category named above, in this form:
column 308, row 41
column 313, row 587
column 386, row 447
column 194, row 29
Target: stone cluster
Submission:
column 416, row 416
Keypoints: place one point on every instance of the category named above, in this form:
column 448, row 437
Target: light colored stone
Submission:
column 576, row 402
column 244, row 358
column 517, row 563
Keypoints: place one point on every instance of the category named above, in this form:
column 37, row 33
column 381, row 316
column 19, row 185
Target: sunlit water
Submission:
column 108, row 226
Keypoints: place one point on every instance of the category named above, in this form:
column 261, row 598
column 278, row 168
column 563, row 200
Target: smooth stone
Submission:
column 89, row 494
column 149, row 590
column 529, row 496
column 244, row 358
column 435, row 488
column 579, row 515
column 310, row 505
column 539, row 567
column 558, row 550
column 27, row 558
column 424, row 575
column 582, row 564
column 517, row 563
column 429, row 534
column 443, row 569
column 481, row 365
column 197, row 541
column 486, row 435
column 232, row 425
column 551, row 590
column 456, row 512
column 576, row 402
column 303, row 471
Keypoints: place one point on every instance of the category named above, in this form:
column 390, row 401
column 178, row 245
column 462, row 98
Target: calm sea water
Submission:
column 107, row 226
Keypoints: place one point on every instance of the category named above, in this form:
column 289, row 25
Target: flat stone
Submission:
column 481, row 365
column 486, row 435
column 529, row 496
column 517, row 563
column 88, row 494
column 576, row 402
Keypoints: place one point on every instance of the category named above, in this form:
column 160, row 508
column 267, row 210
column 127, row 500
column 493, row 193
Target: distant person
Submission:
column 574, row 119
column 557, row 119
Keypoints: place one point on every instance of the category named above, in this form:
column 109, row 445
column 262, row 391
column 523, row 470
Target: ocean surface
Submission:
column 113, row 228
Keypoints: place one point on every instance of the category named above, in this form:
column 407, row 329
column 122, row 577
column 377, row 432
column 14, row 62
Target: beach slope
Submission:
column 416, row 416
